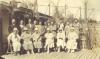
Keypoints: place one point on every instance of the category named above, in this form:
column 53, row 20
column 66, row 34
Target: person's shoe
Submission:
column 58, row 50
column 48, row 51
column 38, row 50
column 28, row 52
column 68, row 51
column 15, row 54
column 72, row 51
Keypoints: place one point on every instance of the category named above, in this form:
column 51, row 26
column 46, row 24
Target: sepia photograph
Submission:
column 49, row 29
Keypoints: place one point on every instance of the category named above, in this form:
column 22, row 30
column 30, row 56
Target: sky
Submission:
column 73, row 7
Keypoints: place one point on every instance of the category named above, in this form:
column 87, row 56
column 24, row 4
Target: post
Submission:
column 85, row 28
column 80, row 13
column 49, row 8
column 65, row 9
column 85, row 10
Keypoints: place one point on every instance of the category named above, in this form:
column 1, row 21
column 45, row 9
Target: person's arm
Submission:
column 9, row 38
column 38, row 39
column 64, row 37
column 9, row 42
column 19, row 38
column 57, row 36
column 32, row 37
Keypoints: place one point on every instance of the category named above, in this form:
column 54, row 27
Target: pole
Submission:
column 85, row 10
column 49, row 8
column 80, row 13
column 65, row 9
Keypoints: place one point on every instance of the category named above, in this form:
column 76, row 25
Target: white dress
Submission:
column 27, row 41
column 37, row 40
column 61, row 39
column 71, row 43
column 15, row 41
column 49, row 39
column 61, row 26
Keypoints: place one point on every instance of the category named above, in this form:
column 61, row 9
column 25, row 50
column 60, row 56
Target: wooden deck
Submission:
column 83, row 54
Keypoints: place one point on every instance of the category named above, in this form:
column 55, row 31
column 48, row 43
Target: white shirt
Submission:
column 72, row 35
column 61, row 35
column 49, row 35
column 13, row 38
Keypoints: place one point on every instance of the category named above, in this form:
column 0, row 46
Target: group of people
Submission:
column 48, row 36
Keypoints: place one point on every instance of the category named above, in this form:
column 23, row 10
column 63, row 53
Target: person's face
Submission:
column 76, row 21
column 45, row 23
column 48, row 23
column 34, row 22
column 51, row 23
column 21, row 22
column 29, row 20
column 40, row 23
column 67, row 23
column 13, row 21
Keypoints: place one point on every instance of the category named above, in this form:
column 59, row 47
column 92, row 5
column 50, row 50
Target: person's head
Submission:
column 48, row 23
column 35, row 22
column 40, row 23
column 45, row 23
column 21, row 22
column 29, row 20
column 36, row 30
column 15, row 30
column 13, row 21
column 48, row 30
column 52, row 22
column 76, row 21
column 67, row 23
column 61, row 21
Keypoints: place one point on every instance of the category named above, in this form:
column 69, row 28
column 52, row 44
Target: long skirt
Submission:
column 37, row 44
column 61, row 43
column 16, row 46
column 28, row 45
column 50, row 43
column 71, row 44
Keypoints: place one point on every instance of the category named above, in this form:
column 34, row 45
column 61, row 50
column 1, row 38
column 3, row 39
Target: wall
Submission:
column 5, row 23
